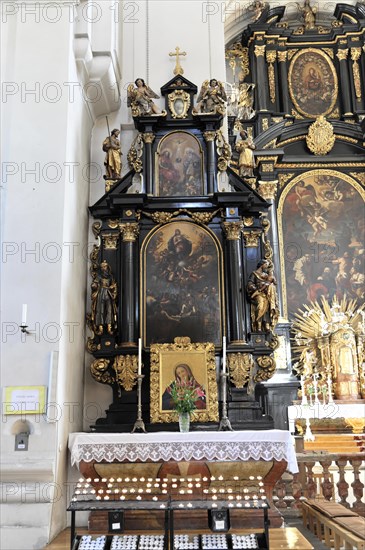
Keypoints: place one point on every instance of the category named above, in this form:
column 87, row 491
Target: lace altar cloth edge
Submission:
column 164, row 446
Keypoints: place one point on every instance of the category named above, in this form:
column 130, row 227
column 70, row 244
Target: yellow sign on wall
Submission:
column 24, row 400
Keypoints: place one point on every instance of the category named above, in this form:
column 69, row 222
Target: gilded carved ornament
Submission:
column 179, row 103
column 201, row 218
column 259, row 50
column 282, row 56
column 135, row 153
column 271, row 58
column 110, row 241
column 360, row 176
column 148, row 137
column 268, row 252
column 342, row 54
column 284, row 178
column 265, row 124
column 96, row 228
column 232, row 230
column 99, row 371
column 268, row 189
column 265, row 223
column 320, row 139
column 266, row 368
column 126, row 369
column 355, row 56
column 129, row 231
column 224, row 152
column 209, row 136
column 248, row 222
column 240, row 367
column 238, row 55
column 251, row 239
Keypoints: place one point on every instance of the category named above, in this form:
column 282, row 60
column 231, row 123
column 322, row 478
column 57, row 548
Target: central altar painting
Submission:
column 182, row 287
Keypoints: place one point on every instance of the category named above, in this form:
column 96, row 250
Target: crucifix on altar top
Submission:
column 178, row 68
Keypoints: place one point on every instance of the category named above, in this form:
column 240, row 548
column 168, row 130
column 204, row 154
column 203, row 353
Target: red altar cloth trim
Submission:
column 164, row 446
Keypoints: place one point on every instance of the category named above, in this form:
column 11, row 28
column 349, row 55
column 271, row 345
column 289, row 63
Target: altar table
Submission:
column 267, row 445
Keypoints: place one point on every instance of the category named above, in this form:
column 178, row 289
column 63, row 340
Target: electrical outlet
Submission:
column 21, row 441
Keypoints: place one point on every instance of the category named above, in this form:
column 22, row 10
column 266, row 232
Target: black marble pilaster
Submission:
column 345, row 81
column 209, row 137
column 129, row 335
column 262, row 80
column 235, row 278
column 284, row 90
column 147, row 186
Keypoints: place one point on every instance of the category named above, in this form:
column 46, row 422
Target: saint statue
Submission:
column 308, row 14
column 103, row 300
column 261, row 290
column 246, row 161
column 112, row 162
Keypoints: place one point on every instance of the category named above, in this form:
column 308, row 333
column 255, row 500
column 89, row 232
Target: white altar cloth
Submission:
column 164, row 446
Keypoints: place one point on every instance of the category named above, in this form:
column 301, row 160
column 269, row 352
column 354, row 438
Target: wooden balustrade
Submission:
column 337, row 477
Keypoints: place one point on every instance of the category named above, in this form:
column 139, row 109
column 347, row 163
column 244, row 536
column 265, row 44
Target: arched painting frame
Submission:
column 313, row 83
column 321, row 226
column 179, row 166
column 182, row 286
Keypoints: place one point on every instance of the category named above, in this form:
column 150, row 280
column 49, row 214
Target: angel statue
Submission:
column 140, row 99
column 212, row 97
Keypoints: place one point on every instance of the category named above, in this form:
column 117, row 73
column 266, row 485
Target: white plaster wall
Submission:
column 44, row 212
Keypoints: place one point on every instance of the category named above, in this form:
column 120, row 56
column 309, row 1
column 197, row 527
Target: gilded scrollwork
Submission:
column 284, row 178
column 179, row 103
column 96, row 228
column 100, row 371
column 360, row 176
column 135, row 154
column 266, row 368
column 268, row 252
column 126, row 368
column 239, row 53
column 224, row 152
column 265, row 223
column 240, row 367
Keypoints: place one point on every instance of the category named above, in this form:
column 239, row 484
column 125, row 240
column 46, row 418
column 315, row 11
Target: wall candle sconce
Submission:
column 23, row 325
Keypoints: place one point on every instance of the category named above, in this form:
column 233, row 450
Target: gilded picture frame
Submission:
column 313, row 83
column 165, row 359
column 321, row 230
column 179, row 162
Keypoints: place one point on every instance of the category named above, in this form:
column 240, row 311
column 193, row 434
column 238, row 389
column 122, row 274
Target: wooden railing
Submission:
column 337, row 477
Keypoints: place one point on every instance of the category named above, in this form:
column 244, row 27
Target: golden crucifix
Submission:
column 178, row 68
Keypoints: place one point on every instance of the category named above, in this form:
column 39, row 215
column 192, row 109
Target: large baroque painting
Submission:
column 322, row 234
column 313, row 83
column 179, row 166
column 182, row 293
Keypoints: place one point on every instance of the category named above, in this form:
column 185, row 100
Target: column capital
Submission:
column 129, row 232
column 259, row 50
column 342, row 54
column 210, row 135
column 232, row 230
column 251, row 238
column 268, row 189
column 148, row 137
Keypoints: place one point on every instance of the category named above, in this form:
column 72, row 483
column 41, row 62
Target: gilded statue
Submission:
column 103, row 300
column 261, row 290
column 246, row 161
column 112, row 161
column 245, row 101
column 140, row 99
column 308, row 14
column 212, row 97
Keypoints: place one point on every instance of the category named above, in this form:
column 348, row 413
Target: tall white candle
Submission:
column 24, row 314
column 224, row 355
column 139, row 356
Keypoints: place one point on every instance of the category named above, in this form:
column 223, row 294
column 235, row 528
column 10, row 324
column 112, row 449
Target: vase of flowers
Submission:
column 184, row 395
